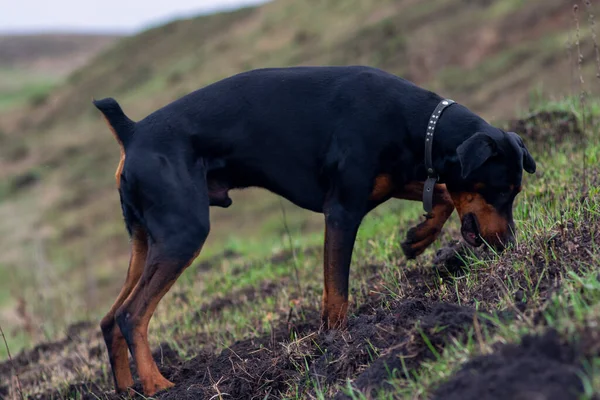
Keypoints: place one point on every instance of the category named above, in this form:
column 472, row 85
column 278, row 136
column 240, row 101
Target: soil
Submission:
column 261, row 366
column 384, row 337
column 540, row 367
column 547, row 127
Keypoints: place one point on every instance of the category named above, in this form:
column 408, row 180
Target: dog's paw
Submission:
column 418, row 238
column 409, row 252
column 409, row 246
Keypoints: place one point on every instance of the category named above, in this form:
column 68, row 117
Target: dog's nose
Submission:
column 499, row 243
column 510, row 233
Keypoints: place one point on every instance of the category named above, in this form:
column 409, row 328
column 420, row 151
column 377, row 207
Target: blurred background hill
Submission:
column 31, row 65
column 62, row 240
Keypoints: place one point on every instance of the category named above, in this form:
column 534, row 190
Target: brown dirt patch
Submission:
column 540, row 367
column 268, row 364
column 239, row 297
column 547, row 127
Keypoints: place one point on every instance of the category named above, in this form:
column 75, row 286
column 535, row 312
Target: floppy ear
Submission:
column 528, row 161
column 474, row 151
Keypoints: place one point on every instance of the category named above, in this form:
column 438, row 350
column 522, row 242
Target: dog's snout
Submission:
column 500, row 242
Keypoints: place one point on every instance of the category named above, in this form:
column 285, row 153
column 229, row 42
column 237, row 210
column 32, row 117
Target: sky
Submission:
column 120, row 16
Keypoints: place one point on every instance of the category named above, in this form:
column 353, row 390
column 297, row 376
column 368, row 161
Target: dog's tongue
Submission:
column 470, row 230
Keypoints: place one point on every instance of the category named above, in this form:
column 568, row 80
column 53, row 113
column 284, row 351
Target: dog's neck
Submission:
column 456, row 125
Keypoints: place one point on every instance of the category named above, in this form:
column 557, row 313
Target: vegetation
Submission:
column 250, row 303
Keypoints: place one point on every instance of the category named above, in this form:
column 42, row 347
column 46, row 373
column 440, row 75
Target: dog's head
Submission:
column 491, row 170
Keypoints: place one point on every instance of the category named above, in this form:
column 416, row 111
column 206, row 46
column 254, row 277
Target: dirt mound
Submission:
column 547, row 127
column 264, row 366
column 540, row 367
column 54, row 364
column 417, row 337
column 386, row 337
column 294, row 350
column 239, row 297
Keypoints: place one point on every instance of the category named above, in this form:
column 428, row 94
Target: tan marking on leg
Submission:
column 424, row 234
column 334, row 301
column 117, row 346
column 142, row 303
column 337, row 310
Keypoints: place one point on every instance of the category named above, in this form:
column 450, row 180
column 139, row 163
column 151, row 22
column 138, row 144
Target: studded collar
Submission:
column 432, row 175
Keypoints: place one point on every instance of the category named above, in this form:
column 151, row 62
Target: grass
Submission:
column 575, row 309
column 543, row 213
column 19, row 88
column 548, row 201
column 70, row 208
column 69, row 214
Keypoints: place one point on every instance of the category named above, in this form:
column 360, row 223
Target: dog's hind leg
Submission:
column 166, row 261
column 168, row 257
column 115, row 342
column 177, row 223
column 421, row 236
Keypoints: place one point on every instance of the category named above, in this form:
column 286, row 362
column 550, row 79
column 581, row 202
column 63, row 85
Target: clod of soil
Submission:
column 547, row 127
column 540, row 367
column 453, row 258
column 416, row 324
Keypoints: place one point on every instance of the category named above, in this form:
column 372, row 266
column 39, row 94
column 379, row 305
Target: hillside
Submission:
column 455, row 324
column 30, row 65
column 63, row 245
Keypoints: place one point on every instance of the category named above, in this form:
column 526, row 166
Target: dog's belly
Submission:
column 299, row 186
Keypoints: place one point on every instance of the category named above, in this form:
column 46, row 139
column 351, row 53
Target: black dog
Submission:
column 336, row 140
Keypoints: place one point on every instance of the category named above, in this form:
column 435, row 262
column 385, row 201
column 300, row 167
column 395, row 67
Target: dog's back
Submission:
column 305, row 101
column 294, row 123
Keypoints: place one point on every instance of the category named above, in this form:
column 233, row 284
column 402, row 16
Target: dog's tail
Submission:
column 121, row 126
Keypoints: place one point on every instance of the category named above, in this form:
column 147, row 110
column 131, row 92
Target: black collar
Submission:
column 432, row 176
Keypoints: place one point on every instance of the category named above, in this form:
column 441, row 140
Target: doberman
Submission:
column 335, row 140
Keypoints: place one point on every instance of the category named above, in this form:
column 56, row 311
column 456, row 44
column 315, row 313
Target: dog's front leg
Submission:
column 341, row 227
column 421, row 236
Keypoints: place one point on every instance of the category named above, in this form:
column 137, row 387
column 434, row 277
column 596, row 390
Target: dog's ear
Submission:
column 528, row 161
column 119, row 123
column 474, row 151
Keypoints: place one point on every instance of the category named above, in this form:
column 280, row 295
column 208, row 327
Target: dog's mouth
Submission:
column 470, row 230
